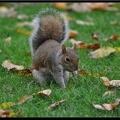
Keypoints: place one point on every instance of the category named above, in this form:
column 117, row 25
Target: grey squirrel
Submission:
column 51, row 59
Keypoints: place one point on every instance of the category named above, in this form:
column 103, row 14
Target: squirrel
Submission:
column 51, row 59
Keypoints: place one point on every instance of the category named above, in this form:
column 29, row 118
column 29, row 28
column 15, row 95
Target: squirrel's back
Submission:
column 48, row 24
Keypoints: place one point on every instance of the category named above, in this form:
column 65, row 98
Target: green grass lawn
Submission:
column 83, row 90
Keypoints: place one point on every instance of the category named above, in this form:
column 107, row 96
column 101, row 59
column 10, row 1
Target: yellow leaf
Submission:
column 7, row 105
column 24, row 98
column 101, row 52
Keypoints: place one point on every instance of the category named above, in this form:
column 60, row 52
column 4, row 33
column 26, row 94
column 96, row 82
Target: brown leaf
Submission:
column 26, row 72
column 24, row 98
column 94, row 36
column 8, row 113
column 82, row 45
column 93, row 46
column 81, row 72
column 5, row 113
column 73, row 34
column 114, row 37
column 60, row 5
column 7, row 64
column 56, row 104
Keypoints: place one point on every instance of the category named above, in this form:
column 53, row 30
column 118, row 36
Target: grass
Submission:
column 81, row 91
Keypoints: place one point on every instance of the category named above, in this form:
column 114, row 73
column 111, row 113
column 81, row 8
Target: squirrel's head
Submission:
column 70, row 59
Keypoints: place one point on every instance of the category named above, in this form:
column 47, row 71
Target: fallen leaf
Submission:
column 24, row 98
column 60, row 5
column 80, row 22
column 56, row 104
column 107, row 106
column 7, row 12
column 110, row 106
column 8, row 40
column 22, row 24
column 112, row 83
column 117, row 101
column 93, row 46
column 5, row 113
column 7, row 64
column 101, row 52
column 73, row 33
column 81, row 72
column 22, row 16
column 7, row 105
column 82, row 45
column 26, row 72
column 99, row 106
column 23, row 32
column 108, row 93
column 45, row 92
column 8, row 113
column 106, row 81
column 73, row 41
column 112, row 38
column 94, row 36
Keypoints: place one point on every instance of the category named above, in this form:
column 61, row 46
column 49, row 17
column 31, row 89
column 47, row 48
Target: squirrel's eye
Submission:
column 67, row 59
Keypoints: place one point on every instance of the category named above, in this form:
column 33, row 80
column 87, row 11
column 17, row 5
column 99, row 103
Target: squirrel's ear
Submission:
column 63, row 49
column 74, row 46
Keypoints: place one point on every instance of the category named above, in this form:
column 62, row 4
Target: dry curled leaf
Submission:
column 45, row 92
column 99, row 106
column 112, row 83
column 110, row 106
column 60, row 5
column 7, row 64
column 81, row 72
column 26, row 72
column 94, row 36
column 73, row 34
column 24, row 98
column 8, row 113
column 93, row 46
column 80, row 22
column 8, row 40
column 107, row 106
column 21, row 24
column 108, row 93
column 56, row 104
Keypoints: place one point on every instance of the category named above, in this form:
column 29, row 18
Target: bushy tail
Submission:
column 48, row 24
